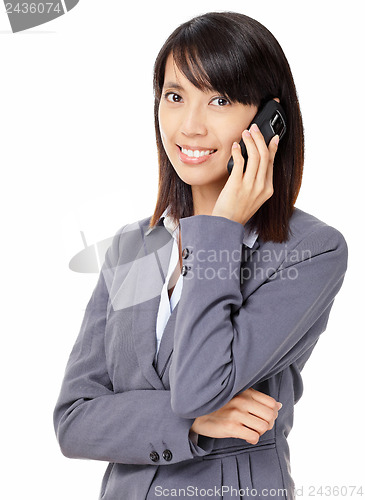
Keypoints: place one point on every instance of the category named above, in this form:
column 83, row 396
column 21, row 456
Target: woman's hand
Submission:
column 243, row 194
column 246, row 416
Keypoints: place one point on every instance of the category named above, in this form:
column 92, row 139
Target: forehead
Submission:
column 195, row 80
column 173, row 74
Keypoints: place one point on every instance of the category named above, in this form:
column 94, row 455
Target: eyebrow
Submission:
column 173, row 85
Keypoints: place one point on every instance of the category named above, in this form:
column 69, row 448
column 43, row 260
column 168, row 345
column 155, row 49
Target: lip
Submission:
column 192, row 160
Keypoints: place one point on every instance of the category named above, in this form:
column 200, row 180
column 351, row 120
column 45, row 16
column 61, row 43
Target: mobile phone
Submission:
column 271, row 121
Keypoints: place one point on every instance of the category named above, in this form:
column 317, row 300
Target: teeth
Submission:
column 197, row 153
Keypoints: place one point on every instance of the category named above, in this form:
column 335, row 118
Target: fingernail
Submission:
column 254, row 127
column 280, row 407
column 247, row 133
column 235, row 145
column 276, row 139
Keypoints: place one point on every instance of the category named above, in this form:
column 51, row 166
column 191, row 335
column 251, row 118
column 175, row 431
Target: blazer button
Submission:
column 167, row 455
column 185, row 253
column 184, row 270
column 154, row 456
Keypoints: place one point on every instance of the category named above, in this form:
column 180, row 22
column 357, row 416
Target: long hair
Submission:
column 239, row 58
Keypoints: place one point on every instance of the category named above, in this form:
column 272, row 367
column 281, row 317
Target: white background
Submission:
column 78, row 154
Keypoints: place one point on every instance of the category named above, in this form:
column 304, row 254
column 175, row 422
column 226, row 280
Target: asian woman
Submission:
column 188, row 362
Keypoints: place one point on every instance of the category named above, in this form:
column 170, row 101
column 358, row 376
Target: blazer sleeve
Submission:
column 224, row 345
column 93, row 422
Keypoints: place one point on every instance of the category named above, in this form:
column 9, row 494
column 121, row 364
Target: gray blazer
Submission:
column 246, row 318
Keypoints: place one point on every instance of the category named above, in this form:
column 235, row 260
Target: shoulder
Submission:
column 310, row 235
column 303, row 224
column 132, row 230
column 129, row 239
column 130, row 227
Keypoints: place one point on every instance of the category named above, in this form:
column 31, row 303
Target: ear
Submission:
column 276, row 99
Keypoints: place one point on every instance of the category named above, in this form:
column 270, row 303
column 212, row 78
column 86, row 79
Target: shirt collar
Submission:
column 249, row 239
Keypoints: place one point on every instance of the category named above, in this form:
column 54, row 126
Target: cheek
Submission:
column 231, row 135
column 165, row 125
column 234, row 131
column 161, row 123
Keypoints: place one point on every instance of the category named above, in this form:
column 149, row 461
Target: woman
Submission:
column 205, row 313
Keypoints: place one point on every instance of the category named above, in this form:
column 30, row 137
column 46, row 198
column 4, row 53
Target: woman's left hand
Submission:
column 244, row 193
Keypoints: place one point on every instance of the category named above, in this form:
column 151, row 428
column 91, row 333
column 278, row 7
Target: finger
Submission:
column 263, row 152
column 238, row 162
column 264, row 399
column 242, row 432
column 273, row 147
column 262, row 411
column 255, row 423
column 267, row 409
column 253, row 157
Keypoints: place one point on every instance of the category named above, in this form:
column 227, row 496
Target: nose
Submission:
column 193, row 121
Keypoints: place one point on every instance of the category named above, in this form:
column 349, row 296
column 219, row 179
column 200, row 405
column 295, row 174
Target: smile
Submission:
column 194, row 155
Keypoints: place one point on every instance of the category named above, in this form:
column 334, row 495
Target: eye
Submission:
column 172, row 97
column 220, row 101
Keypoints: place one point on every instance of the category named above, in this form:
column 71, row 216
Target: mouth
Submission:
column 196, row 152
column 194, row 155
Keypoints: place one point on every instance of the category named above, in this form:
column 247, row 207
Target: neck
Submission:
column 205, row 197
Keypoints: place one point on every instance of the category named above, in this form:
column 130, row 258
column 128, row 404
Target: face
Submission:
column 198, row 129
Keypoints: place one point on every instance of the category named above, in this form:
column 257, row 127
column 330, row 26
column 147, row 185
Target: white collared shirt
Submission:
column 167, row 305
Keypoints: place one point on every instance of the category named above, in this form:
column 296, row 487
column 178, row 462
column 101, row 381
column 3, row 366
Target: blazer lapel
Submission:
column 154, row 256
column 167, row 341
column 144, row 324
column 166, row 344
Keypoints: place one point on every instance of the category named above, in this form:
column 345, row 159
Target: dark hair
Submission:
column 238, row 57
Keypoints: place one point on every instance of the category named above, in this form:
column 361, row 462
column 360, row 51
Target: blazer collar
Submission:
column 171, row 225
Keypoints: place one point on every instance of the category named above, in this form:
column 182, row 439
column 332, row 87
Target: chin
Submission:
column 200, row 177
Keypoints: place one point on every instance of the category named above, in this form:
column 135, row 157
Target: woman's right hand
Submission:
column 246, row 416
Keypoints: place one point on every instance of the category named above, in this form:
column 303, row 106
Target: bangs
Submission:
column 209, row 59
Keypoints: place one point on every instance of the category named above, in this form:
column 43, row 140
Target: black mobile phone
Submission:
column 271, row 121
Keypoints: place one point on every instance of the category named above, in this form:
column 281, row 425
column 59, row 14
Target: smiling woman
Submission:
column 206, row 312
column 220, row 69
